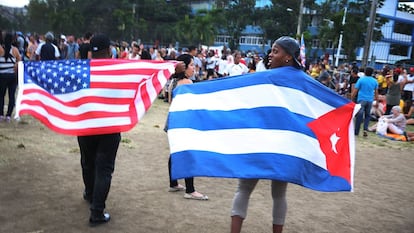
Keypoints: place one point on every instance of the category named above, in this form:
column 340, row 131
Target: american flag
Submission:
column 302, row 51
column 89, row 97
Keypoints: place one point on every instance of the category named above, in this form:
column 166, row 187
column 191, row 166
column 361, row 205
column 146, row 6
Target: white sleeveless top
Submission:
column 7, row 67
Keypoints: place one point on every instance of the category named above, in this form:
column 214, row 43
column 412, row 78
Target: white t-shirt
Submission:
column 237, row 69
column 409, row 86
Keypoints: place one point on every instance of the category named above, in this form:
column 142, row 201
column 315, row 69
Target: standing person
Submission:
column 193, row 51
column 395, row 85
column 180, row 78
column 353, row 79
column 408, row 89
column 73, row 48
column 31, row 48
column 98, row 153
column 238, row 67
column 9, row 57
column 210, row 65
column 85, row 47
column 367, row 89
column 285, row 52
column 47, row 50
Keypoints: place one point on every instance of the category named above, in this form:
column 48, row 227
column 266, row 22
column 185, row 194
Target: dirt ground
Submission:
column 41, row 188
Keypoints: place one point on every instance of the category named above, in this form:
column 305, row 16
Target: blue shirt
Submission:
column 366, row 86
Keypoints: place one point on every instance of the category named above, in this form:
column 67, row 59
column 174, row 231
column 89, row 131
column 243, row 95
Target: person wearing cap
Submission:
column 408, row 89
column 284, row 53
column 367, row 89
column 47, row 50
column 98, row 153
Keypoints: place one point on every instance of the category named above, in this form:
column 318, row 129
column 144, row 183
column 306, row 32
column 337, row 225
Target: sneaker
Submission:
column 1, row 118
column 8, row 119
column 196, row 196
column 176, row 188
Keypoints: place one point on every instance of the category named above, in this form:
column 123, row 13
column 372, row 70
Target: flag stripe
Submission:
column 251, row 97
column 307, row 86
column 273, row 118
column 260, row 141
column 270, row 166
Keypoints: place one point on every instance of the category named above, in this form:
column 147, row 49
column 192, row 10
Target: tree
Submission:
column 237, row 18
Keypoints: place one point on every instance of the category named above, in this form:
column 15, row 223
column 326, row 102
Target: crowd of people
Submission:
column 379, row 93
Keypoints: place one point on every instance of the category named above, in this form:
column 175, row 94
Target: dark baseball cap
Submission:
column 291, row 47
column 99, row 42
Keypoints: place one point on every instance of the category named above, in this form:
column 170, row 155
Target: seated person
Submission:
column 377, row 110
column 396, row 121
column 409, row 116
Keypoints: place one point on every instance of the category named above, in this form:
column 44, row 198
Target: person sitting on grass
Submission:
column 396, row 121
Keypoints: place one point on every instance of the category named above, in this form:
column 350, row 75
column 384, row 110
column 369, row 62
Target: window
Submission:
column 315, row 43
column 403, row 28
column 329, row 44
column 401, row 50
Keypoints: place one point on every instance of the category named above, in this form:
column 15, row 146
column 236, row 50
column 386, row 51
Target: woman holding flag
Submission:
column 285, row 52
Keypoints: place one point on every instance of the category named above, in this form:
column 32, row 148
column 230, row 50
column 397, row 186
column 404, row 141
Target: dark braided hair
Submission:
column 8, row 39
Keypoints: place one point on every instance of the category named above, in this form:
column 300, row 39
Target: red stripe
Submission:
column 84, row 116
column 108, row 62
column 77, row 132
column 81, row 100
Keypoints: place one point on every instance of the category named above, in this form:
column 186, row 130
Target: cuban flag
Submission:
column 278, row 124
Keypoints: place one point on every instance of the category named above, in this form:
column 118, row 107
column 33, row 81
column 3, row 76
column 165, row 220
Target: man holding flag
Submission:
column 278, row 124
column 94, row 100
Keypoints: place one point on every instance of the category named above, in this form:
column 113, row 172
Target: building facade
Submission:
column 398, row 36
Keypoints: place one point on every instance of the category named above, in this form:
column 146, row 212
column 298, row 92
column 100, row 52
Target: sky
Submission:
column 14, row 3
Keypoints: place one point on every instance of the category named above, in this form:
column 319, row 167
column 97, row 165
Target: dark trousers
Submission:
column 8, row 84
column 98, row 153
column 189, row 182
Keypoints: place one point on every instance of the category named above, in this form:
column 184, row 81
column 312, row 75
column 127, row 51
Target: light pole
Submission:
column 298, row 29
column 340, row 39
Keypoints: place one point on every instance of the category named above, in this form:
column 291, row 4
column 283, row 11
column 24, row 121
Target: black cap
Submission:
column 99, row 42
column 291, row 47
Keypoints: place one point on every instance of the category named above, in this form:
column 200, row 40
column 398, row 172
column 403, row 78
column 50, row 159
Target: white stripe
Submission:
column 83, row 124
column 252, row 97
column 139, row 104
column 87, row 107
column 242, row 141
column 130, row 78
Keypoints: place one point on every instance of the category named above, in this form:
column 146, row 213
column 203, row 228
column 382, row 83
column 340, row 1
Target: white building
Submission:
column 398, row 35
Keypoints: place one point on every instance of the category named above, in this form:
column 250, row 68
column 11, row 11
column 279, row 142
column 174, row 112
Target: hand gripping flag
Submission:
column 89, row 97
column 278, row 124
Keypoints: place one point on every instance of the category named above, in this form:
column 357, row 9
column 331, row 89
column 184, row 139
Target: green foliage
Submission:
column 168, row 21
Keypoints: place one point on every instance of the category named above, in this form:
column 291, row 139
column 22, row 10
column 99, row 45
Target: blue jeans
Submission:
column 364, row 113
